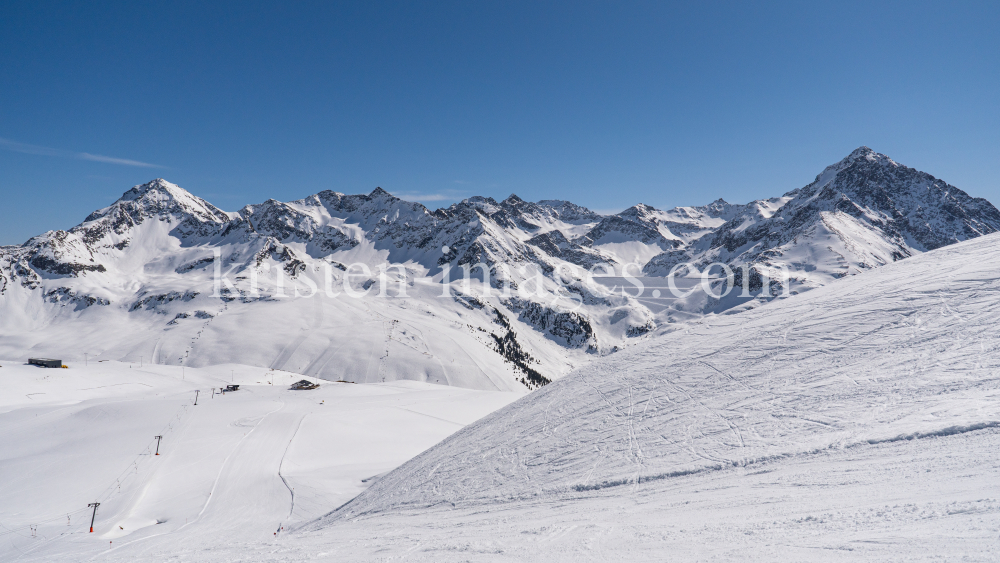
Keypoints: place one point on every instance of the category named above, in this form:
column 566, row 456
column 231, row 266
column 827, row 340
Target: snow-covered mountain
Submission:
column 863, row 212
column 354, row 286
column 338, row 286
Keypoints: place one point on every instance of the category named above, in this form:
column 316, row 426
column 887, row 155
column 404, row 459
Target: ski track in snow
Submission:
column 839, row 424
column 233, row 468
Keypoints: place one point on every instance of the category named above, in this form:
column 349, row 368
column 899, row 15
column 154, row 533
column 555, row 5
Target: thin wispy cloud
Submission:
column 113, row 160
column 47, row 151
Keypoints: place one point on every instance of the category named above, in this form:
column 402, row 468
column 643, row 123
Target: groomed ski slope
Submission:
column 233, row 469
column 859, row 421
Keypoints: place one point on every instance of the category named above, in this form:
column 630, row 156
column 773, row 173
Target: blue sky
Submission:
column 606, row 104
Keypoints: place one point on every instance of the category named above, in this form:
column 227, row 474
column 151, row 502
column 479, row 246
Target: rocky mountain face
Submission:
column 267, row 285
column 863, row 212
column 499, row 287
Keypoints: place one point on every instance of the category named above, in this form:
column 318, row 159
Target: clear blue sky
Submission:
column 606, row 104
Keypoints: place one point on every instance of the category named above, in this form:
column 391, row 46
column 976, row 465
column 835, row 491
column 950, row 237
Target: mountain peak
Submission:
column 861, row 151
column 638, row 208
column 159, row 197
column 569, row 211
column 158, row 185
column 160, row 193
column 881, row 210
column 864, row 153
column 379, row 192
column 478, row 199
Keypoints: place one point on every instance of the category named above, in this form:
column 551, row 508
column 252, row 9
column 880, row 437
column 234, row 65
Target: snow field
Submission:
column 842, row 392
column 233, row 468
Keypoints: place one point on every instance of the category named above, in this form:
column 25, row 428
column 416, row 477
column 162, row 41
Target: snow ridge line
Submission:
column 943, row 433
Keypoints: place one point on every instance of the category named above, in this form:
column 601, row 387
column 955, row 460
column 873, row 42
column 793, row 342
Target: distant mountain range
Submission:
column 139, row 278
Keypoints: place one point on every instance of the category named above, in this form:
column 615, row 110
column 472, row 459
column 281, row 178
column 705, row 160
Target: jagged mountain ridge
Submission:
column 151, row 256
column 863, row 212
column 150, row 259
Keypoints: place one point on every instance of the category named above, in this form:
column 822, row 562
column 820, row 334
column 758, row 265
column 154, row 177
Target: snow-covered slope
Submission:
column 353, row 286
column 232, row 469
column 862, row 385
column 906, row 350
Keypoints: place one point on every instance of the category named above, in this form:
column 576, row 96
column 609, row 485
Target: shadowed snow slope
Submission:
column 906, row 352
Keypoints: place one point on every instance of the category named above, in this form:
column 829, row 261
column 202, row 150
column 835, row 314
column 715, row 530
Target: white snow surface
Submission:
column 232, row 469
column 858, row 421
